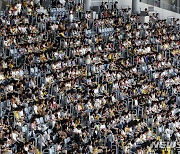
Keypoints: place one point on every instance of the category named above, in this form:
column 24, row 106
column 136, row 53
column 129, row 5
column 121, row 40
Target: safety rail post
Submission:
column 37, row 142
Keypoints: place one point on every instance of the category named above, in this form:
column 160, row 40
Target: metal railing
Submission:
column 162, row 5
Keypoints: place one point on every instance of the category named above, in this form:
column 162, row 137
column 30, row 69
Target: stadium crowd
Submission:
column 73, row 84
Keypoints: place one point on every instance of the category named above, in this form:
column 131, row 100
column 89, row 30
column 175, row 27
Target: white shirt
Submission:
column 96, row 91
column 71, row 17
column 21, row 114
column 14, row 136
column 35, row 109
column 77, row 131
column 19, row 7
column 102, row 126
column 136, row 102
